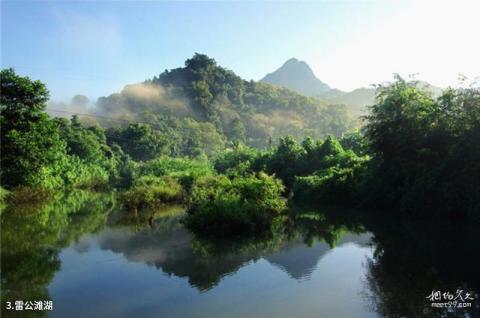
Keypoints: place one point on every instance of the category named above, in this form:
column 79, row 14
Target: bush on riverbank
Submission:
column 162, row 180
column 186, row 171
column 23, row 194
column 339, row 182
column 219, row 205
column 151, row 191
column 333, row 185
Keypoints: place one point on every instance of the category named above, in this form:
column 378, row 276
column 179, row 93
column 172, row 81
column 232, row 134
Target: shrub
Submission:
column 83, row 175
column 235, row 161
column 184, row 170
column 151, row 191
column 22, row 194
column 219, row 205
column 332, row 185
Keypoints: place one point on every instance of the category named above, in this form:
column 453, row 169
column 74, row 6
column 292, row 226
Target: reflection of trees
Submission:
column 328, row 224
column 32, row 236
column 311, row 234
column 25, row 275
column 206, row 260
column 170, row 247
column 414, row 258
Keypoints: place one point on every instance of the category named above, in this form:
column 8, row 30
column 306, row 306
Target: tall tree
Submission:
column 32, row 152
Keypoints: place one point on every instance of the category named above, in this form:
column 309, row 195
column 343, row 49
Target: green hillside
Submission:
column 204, row 106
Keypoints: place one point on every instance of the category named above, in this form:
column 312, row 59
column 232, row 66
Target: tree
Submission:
column 80, row 100
column 426, row 150
column 238, row 130
column 285, row 159
column 22, row 100
column 139, row 141
column 32, row 152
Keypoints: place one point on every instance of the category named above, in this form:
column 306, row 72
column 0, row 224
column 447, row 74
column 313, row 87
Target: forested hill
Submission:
column 204, row 106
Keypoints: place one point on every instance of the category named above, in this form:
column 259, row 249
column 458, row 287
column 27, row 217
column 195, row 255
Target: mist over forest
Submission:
column 214, row 102
column 203, row 97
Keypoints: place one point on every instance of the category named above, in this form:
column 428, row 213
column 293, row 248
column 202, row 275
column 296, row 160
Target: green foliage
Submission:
column 326, row 173
column 139, row 141
column 42, row 153
column 238, row 160
column 22, row 100
column 202, row 105
column 127, row 170
column 33, row 234
column 88, row 144
column 198, row 138
column 219, row 205
column 284, row 161
column 332, row 185
column 32, row 152
column 425, row 149
column 24, row 194
column 34, row 156
column 162, row 180
column 400, row 120
column 356, row 142
column 186, row 171
column 320, row 171
column 237, row 132
column 82, row 175
column 151, row 191
column 331, row 147
column 91, row 161
column 4, row 193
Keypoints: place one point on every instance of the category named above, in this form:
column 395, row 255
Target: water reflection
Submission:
column 168, row 246
column 64, row 249
column 412, row 259
column 299, row 260
column 33, row 235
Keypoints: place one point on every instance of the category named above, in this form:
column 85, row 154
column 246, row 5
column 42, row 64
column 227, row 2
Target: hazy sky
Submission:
column 95, row 48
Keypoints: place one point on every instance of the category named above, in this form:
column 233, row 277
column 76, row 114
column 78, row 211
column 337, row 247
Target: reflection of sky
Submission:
column 300, row 260
column 94, row 281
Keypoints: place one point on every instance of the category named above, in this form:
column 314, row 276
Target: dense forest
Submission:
column 239, row 156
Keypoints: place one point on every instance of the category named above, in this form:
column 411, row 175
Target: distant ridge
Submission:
column 359, row 99
column 356, row 100
column 297, row 76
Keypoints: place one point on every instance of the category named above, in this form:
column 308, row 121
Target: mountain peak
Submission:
column 291, row 61
column 298, row 76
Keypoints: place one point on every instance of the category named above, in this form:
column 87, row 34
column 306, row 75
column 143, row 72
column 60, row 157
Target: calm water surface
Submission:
column 159, row 273
column 94, row 260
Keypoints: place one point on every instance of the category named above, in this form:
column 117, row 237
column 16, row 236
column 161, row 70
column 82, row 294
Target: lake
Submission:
column 92, row 259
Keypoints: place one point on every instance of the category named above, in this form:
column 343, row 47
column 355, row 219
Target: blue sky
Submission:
column 95, row 48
